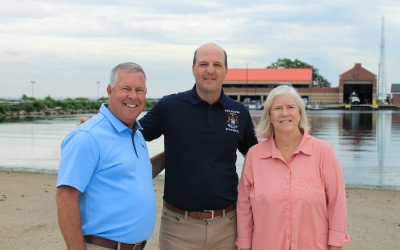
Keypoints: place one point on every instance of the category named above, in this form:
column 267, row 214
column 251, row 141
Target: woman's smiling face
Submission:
column 285, row 114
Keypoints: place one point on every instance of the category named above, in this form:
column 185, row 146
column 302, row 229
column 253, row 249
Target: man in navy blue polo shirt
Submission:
column 203, row 128
column 105, row 195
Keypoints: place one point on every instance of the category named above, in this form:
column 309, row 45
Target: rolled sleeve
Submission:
column 338, row 239
column 336, row 197
column 244, row 209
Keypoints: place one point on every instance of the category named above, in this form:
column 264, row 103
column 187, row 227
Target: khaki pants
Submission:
column 180, row 232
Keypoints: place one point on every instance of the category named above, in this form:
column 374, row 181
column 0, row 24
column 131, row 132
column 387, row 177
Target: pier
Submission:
column 318, row 106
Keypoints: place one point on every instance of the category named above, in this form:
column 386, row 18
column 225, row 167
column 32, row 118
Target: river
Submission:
column 367, row 144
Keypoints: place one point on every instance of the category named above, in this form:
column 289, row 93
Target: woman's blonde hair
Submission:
column 265, row 129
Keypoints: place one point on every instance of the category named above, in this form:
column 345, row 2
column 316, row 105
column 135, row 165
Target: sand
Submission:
column 28, row 215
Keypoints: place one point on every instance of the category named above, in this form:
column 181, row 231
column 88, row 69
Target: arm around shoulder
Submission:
column 158, row 163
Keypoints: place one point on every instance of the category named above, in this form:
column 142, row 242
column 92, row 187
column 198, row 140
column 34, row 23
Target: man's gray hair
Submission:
column 127, row 67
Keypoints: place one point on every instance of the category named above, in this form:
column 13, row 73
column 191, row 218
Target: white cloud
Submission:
column 67, row 46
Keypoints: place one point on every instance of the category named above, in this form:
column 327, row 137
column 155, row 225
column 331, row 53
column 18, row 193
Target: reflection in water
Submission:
column 366, row 143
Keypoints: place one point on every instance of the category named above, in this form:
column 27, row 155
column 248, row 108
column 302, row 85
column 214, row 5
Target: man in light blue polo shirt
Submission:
column 105, row 195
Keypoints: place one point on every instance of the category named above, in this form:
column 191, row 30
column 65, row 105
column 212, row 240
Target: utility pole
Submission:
column 247, row 78
column 98, row 84
column 33, row 82
column 382, row 68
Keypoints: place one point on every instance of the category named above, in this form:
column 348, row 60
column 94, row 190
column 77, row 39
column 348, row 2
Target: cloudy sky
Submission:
column 68, row 46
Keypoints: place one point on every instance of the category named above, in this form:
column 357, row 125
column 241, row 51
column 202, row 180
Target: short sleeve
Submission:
column 79, row 159
column 249, row 136
column 152, row 122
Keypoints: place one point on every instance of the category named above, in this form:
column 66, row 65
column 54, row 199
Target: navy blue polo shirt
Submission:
column 200, row 143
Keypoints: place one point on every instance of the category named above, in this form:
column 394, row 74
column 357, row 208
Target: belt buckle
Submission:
column 139, row 244
column 209, row 211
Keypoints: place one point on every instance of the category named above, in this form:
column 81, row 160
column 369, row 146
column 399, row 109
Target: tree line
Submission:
column 285, row 63
column 31, row 104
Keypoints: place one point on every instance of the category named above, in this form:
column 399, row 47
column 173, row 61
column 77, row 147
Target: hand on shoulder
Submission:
column 84, row 119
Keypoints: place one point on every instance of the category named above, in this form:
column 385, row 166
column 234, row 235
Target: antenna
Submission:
column 382, row 68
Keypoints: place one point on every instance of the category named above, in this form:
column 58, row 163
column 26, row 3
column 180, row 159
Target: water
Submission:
column 367, row 144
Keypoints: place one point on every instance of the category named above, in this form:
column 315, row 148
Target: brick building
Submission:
column 358, row 80
column 395, row 90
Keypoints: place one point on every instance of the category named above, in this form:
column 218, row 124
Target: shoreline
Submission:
column 50, row 112
column 162, row 177
column 29, row 217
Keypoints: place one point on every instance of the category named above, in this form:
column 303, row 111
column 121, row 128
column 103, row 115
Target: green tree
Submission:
column 285, row 63
column 103, row 99
column 37, row 105
column 26, row 98
column 4, row 109
column 29, row 107
column 48, row 99
column 82, row 99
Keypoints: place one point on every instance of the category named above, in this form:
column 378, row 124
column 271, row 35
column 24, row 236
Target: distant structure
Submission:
column 358, row 80
column 382, row 68
column 395, row 93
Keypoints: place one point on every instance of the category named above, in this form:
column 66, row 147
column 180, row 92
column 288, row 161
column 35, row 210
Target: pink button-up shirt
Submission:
column 296, row 205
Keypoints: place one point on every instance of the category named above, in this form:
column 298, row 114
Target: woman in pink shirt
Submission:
column 292, row 193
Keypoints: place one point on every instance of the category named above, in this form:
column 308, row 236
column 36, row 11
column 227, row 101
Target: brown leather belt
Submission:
column 103, row 242
column 205, row 215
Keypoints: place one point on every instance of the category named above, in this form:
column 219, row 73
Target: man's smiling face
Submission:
column 127, row 97
column 209, row 70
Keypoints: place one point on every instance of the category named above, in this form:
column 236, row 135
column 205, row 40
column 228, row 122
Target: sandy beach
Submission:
column 28, row 215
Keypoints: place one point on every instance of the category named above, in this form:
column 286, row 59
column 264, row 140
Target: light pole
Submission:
column 255, row 90
column 33, row 82
column 247, row 72
column 98, row 84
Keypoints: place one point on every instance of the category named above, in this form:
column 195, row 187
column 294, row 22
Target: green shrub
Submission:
column 49, row 104
column 29, row 107
column 48, row 99
column 149, row 105
column 58, row 103
column 82, row 99
column 77, row 105
column 64, row 106
column 37, row 105
column 4, row 109
column 94, row 105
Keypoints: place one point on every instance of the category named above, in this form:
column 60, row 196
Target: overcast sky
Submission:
column 68, row 46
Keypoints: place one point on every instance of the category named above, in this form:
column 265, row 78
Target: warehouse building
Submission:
column 360, row 81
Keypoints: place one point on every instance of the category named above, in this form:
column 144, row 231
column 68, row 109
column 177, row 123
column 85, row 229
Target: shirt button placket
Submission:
column 209, row 120
column 287, row 205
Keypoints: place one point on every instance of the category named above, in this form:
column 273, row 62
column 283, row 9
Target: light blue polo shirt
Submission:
column 99, row 159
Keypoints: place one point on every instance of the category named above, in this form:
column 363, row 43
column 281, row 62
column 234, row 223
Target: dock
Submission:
column 319, row 106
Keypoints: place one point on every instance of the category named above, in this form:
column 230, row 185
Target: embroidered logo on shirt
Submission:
column 233, row 120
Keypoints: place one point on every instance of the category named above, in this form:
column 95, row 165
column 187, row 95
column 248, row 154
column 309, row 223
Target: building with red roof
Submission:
column 256, row 84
